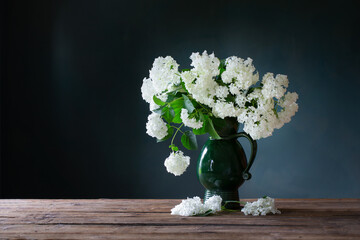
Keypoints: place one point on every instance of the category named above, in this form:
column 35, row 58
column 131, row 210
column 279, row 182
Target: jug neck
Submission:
column 226, row 127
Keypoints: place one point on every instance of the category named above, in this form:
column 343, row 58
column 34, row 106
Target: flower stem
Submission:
column 178, row 129
column 206, row 110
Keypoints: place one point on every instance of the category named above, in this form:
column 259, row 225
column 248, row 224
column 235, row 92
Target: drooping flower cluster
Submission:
column 177, row 163
column 262, row 206
column 211, row 90
column 194, row 206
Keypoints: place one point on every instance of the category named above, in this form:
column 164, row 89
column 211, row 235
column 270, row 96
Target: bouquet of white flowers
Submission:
column 208, row 96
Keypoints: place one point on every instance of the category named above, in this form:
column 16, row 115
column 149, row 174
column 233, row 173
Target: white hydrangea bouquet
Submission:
column 212, row 91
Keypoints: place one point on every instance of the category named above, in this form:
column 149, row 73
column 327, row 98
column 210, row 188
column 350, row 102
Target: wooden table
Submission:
column 151, row 219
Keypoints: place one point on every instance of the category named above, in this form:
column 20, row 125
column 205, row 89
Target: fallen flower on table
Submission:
column 262, row 206
column 194, row 207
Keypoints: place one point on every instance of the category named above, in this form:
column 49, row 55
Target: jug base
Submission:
column 226, row 196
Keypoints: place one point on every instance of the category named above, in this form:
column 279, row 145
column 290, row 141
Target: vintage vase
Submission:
column 222, row 166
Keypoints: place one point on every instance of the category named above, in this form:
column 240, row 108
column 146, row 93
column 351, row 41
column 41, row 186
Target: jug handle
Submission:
column 246, row 175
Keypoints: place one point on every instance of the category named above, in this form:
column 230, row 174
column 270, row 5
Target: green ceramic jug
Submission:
column 222, row 167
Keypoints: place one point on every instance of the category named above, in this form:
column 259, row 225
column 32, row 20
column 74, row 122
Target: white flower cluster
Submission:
column 214, row 203
column 262, row 206
column 189, row 122
column 200, row 81
column 177, row 163
column 240, row 74
column 274, row 87
column 207, row 86
column 164, row 75
column 194, row 206
column 259, row 121
column 156, row 127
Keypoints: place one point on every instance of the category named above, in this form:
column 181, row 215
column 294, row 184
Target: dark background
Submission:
column 73, row 120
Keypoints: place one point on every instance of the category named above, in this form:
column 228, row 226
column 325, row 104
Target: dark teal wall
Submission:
column 72, row 117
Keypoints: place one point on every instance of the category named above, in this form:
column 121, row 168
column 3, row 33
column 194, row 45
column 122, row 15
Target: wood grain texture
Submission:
column 151, row 219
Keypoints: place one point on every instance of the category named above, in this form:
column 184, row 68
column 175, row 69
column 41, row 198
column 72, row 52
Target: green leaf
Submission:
column 171, row 113
column 252, row 89
column 201, row 130
column 177, row 105
column 202, row 117
column 222, row 66
column 170, row 133
column 171, row 96
column 208, row 212
column 230, row 98
column 183, row 87
column 222, row 63
column 188, row 104
column 222, row 70
column 253, row 103
column 158, row 101
column 275, row 112
column 211, row 130
column 188, row 139
column 159, row 110
column 219, row 81
column 174, row 148
column 168, row 114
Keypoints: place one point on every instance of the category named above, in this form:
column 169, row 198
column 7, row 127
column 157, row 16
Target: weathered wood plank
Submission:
column 151, row 219
column 162, row 232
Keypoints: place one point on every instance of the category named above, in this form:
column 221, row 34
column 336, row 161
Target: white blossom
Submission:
column 240, row 100
column 164, row 73
column 274, row 87
column 262, row 206
column 147, row 90
column 260, row 122
column 177, row 163
column 156, row 127
column 214, row 203
column 225, row 109
column 234, row 89
column 200, row 81
column 205, row 64
column 240, row 72
column 189, row 122
column 290, row 107
column 222, row 92
column 189, row 207
column 201, row 88
column 194, row 206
